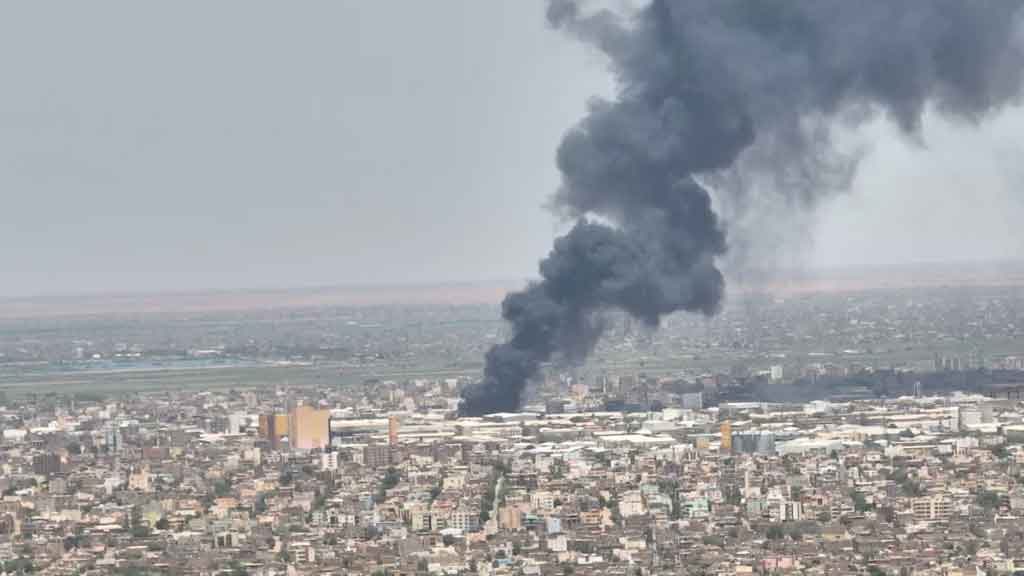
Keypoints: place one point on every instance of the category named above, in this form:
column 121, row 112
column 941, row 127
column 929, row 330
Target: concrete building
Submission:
column 510, row 518
column 329, row 461
column 419, row 519
column 753, row 442
column 235, row 422
column 46, row 464
column 933, row 509
column 376, row 455
column 140, row 480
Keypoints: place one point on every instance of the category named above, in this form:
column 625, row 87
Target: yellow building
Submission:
column 726, row 432
column 309, row 428
column 274, row 427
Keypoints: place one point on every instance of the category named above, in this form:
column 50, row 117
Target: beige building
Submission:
column 393, row 426
column 932, row 509
column 309, row 428
column 510, row 518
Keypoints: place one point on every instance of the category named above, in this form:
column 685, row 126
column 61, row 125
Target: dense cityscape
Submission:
column 520, row 288
column 871, row 432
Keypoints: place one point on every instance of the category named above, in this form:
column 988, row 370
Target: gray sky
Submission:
column 959, row 196
column 189, row 145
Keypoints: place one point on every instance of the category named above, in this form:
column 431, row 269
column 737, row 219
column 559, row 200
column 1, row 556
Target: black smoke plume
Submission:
column 738, row 89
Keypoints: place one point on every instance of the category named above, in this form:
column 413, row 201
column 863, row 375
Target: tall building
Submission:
column 309, row 428
column 753, row 442
column 273, row 428
column 235, row 423
column 376, row 455
column 726, row 432
column 393, row 426
column 46, row 464
column 112, row 436
column 140, row 480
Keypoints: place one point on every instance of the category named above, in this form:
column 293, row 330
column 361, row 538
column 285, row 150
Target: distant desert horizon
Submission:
column 778, row 282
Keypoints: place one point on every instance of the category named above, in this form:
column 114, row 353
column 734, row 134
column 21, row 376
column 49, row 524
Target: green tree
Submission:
column 712, row 541
column 971, row 547
column 987, row 499
column 391, row 478
column 260, row 505
column 911, row 488
column 221, row 487
column 732, row 495
column 613, row 506
column 898, row 475
column 860, row 502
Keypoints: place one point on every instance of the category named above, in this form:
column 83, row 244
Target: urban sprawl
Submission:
column 907, row 464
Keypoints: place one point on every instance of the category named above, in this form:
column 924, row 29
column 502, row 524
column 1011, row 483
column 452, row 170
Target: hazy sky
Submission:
column 185, row 145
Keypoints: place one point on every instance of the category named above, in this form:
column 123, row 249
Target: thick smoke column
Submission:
column 710, row 88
